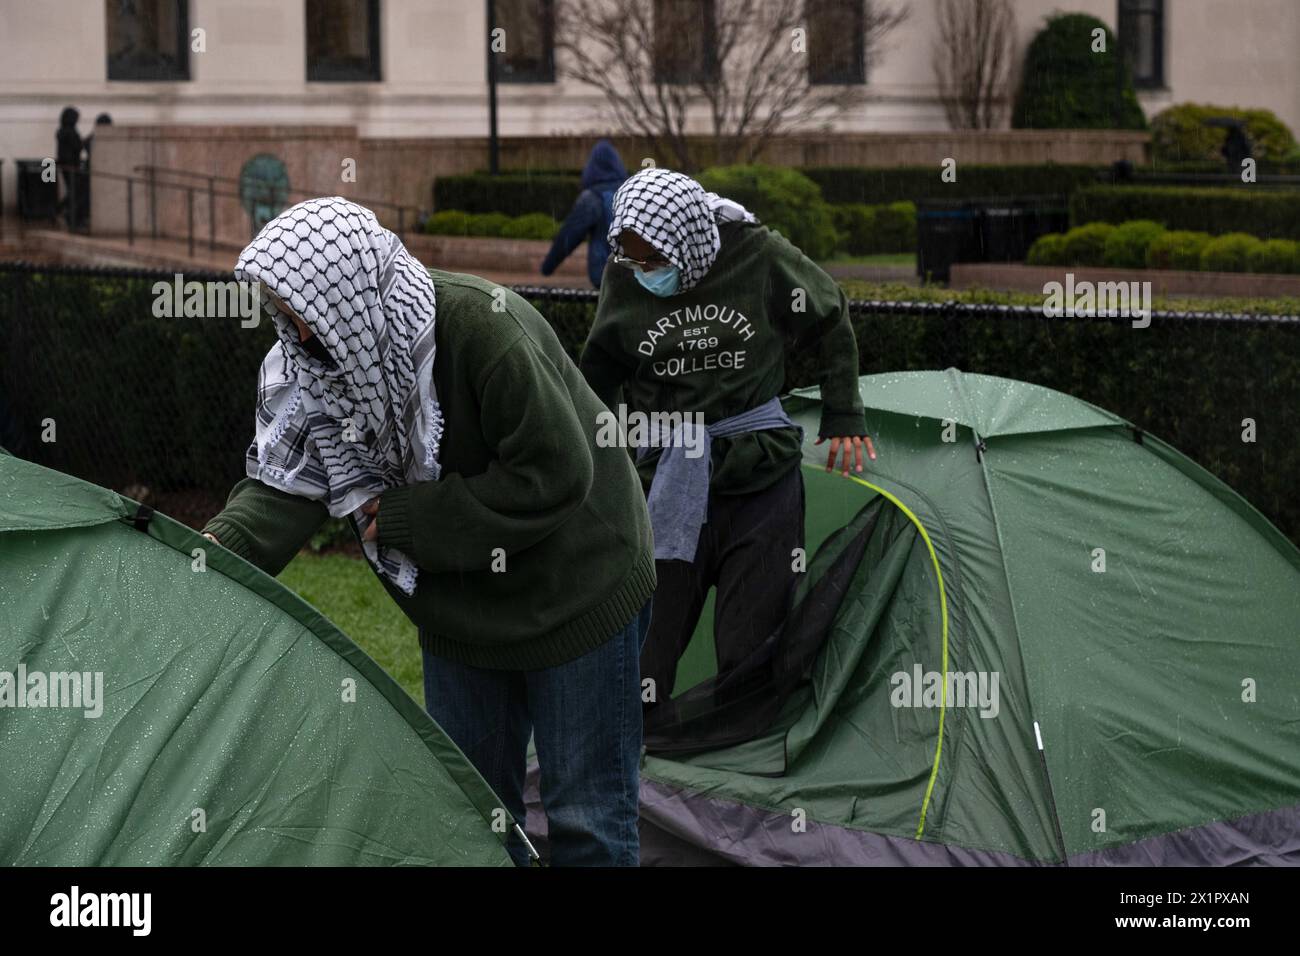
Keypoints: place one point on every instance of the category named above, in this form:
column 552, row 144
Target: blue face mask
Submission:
column 662, row 282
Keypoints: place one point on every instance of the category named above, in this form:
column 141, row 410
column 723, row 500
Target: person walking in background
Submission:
column 588, row 221
column 452, row 429
column 698, row 309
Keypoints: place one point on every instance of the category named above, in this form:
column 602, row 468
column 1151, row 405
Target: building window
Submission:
column 148, row 39
column 1142, row 38
column 685, row 41
column 343, row 41
column 836, row 48
column 529, row 27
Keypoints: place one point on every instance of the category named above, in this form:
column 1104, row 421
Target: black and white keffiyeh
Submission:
column 344, row 432
column 677, row 216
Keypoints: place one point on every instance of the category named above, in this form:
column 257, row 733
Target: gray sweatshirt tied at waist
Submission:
column 679, row 494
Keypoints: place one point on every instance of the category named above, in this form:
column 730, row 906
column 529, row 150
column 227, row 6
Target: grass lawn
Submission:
column 880, row 259
column 345, row 591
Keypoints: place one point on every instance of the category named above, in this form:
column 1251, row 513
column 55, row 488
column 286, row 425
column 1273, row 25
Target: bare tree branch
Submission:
column 972, row 60
column 756, row 87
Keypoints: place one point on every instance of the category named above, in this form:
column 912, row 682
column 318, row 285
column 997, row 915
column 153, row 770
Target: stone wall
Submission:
column 401, row 171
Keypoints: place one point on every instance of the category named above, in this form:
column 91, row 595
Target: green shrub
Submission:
column 1268, row 214
column 1047, row 250
column 855, row 223
column 1277, row 256
column 1065, row 85
column 1230, row 253
column 1126, row 247
column 452, row 222
column 783, row 199
column 1086, row 245
column 487, row 223
column 534, row 225
column 876, row 185
column 1179, row 133
column 511, row 193
column 872, row 230
column 457, row 222
column 1179, row 249
column 896, row 227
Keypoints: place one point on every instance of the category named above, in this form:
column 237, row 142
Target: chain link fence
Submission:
column 94, row 383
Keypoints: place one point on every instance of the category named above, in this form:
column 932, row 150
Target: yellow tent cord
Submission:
column 943, row 609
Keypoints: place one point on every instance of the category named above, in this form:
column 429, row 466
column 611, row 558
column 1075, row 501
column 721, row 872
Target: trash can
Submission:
column 947, row 231
column 36, row 198
column 1008, row 229
column 998, row 229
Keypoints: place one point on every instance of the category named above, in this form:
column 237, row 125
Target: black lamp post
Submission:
column 494, row 145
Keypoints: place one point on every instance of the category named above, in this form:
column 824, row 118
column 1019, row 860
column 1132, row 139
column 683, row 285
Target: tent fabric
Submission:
column 1161, row 684
column 238, row 725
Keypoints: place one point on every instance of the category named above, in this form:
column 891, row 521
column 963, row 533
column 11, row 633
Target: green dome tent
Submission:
column 204, row 716
column 1051, row 638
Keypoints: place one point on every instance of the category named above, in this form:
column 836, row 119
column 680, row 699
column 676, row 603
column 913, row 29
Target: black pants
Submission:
column 746, row 551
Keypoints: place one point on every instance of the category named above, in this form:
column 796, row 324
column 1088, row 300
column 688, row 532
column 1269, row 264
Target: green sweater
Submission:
column 719, row 349
column 523, row 483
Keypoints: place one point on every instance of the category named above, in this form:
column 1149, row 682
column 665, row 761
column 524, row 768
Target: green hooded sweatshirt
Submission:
column 534, row 545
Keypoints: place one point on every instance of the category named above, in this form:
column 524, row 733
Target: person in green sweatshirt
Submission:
column 698, row 309
column 440, row 414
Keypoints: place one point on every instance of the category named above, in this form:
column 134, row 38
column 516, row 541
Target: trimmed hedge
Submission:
column 514, row 194
column 1086, row 245
column 1276, row 256
column 876, row 185
column 1230, row 253
column 1179, row 134
column 1047, row 250
column 1177, row 249
column 783, row 199
column 1065, row 85
column 169, row 402
column 1272, row 214
column 1145, row 244
column 1126, row 247
column 456, row 222
column 871, row 230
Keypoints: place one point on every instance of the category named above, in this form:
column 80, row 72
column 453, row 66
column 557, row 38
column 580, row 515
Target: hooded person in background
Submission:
column 588, row 221
column 452, row 430
column 68, row 146
column 698, row 308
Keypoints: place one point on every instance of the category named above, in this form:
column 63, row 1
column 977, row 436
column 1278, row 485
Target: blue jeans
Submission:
column 586, row 718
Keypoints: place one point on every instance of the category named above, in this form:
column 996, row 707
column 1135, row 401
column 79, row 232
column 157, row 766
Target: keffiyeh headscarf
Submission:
column 677, row 216
column 343, row 432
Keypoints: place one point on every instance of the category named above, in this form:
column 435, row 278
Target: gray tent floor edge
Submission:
column 737, row 833
column 726, row 832
column 1271, row 838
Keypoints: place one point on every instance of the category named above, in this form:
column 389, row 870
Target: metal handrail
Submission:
column 400, row 208
column 131, row 182
column 152, row 182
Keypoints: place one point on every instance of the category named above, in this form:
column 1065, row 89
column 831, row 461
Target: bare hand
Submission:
column 211, row 537
column 852, row 449
column 371, row 508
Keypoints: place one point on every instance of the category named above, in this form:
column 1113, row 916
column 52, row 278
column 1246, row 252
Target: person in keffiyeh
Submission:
column 441, row 416
column 346, row 406
column 699, row 306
